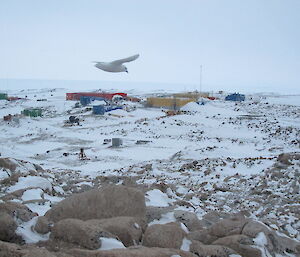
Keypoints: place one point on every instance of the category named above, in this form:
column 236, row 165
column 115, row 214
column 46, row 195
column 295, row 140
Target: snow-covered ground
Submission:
column 214, row 155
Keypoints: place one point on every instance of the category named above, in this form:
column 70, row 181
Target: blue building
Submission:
column 98, row 109
column 235, row 97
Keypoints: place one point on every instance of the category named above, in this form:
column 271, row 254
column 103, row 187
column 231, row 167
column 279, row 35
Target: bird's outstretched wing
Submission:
column 128, row 59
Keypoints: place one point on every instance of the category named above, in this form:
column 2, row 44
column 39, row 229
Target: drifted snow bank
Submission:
column 31, row 181
column 110, row 243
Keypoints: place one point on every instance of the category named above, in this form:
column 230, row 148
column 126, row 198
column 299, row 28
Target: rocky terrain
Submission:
column 219, row 180
column 120, row 216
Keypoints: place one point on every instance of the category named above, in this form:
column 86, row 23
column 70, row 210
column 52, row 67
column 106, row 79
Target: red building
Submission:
column 108, row 96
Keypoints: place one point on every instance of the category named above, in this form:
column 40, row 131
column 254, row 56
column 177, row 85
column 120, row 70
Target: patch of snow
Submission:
column 157, row 198
column 182, row 190
column 85, row 183
column 273, row 226
column 260, row 239
column 110, row 243
column 32, row 194
column 165, row 218
column 184, row 228
column 40, row 209
column 185, row 245
column 260, row 243
column 293, row 232
column 3, row 174
column 98, row 102
column 53, row 199
column 25, row 230
column 191, row 107
column 31, row 181
column 286, row 254
column 58, row 189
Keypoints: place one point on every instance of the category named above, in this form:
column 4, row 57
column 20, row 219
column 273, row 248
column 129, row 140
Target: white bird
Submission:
column 116, row 66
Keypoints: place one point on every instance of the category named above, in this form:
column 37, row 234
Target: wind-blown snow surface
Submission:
column 219, row 151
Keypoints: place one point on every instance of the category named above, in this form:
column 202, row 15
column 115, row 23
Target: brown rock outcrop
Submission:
column 165, row 236
column 107, row 202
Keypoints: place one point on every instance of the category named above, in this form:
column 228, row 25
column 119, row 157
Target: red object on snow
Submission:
column 212, row 98
column 108, row 96
column 7, row 117
column 13, row 98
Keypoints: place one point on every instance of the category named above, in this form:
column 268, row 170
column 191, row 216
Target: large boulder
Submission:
column 128, row 229
column 241, row 244
column 285, row 158
column 8, row 163
column 132, row 252
column 227, row 227
column 212, row 217
column 7, row 227
column 43, row 225
column 275, row 242
column 189, row 219
column 38, row 252
column 107, row 202
column 10, row 250
column 17, row 210
column 202, row 236
column 210, row 250
column 155, row 213
column 168, row 235
column 78, row 232
column 13, row 165
column 14, row 250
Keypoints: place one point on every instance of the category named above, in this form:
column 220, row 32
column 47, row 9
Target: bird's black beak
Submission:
column 127, row 71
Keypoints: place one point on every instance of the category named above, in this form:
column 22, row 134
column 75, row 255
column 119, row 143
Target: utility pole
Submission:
column 200, row 78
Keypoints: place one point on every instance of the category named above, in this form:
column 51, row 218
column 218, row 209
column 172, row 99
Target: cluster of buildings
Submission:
column 102, row 102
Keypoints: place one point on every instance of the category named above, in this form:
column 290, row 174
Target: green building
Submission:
column 3, row 96
column 32, row 112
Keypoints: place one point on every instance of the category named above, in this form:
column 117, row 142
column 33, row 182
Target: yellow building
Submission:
column 173, row 103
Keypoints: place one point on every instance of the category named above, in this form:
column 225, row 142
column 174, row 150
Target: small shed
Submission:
column 85, row 100
column 116, row 142
column 98, row 109
column 235, row 97
column 32, row 112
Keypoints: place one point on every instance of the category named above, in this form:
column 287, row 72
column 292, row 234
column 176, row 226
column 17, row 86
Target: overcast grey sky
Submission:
column 238, row 42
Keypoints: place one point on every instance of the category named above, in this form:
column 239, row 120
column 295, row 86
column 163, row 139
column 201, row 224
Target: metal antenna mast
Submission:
column 200, row 78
